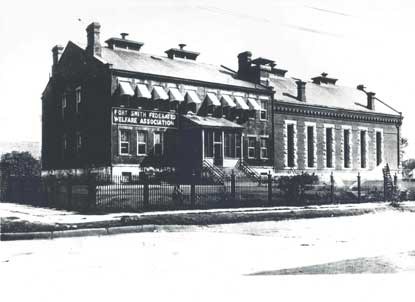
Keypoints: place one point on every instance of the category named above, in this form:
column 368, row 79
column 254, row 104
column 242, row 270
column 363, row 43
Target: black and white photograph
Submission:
column 206, row 150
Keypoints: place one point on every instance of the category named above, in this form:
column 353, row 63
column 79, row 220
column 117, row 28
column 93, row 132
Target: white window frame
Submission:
column 248, row 147
column 347, row 127
column 333, row 146
column 366, row 147
column 78, row 98
column 314, row 125
column 286, row 123
column 161, row 142
column 263, row 110
column 266, row 147
column 119, row 142
column 145, row 143
column 382, row 154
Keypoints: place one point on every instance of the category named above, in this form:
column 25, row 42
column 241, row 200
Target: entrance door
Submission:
column 217, row 148
column 218, row 154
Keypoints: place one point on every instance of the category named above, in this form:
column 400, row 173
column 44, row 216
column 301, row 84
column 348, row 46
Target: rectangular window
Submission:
column 124, row 142
column 63, row 105
column 264, row 147
column 141, row 143
column 208, row 143
column 363, row 149
column 238, row 145
column 77, row 98
column 263, row 111
column 158, row 143
column 329, row 147
column 251, row 147
column 290, row 146
column 346, row 148
column 379, row 147
column 310, row 146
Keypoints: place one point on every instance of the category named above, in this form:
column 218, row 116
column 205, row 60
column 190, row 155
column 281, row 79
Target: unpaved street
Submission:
column 372, row 255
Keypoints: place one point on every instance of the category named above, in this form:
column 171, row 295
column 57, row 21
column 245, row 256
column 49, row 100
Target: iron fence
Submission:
column 142, row 193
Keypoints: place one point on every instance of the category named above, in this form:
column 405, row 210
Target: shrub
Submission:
column 293, row 187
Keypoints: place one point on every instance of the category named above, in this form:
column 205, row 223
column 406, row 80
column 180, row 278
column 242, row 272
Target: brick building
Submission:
column 116, row 110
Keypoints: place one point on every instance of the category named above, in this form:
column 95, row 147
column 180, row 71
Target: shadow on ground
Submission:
column 375, row 265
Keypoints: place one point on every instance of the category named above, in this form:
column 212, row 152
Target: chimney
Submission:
column 244, row 65
column 93, row 47
column 301, row 90
column 370, row 97
column 56, row 55
column 371, row 100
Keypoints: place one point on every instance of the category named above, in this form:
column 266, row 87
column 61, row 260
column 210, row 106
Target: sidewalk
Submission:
column 27, row 222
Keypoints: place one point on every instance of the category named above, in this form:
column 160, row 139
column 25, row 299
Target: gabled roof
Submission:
column 176, row 68
column 325, row 95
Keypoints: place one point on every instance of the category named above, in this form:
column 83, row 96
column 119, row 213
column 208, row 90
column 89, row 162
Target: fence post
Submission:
column 331, row 188
column 146, row 191
column 193, row 190
column 358, row 187
column 233, row 190
column 269, row 188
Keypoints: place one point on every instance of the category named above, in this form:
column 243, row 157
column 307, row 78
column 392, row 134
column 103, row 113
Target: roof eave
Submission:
column 259, row 88
column 344, row 110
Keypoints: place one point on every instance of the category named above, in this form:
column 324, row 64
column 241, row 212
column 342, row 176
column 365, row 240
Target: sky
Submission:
column 357, row 41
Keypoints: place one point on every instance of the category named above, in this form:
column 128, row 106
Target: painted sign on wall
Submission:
column 140, row 117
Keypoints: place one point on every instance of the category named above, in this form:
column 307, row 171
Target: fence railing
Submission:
column 143, row 193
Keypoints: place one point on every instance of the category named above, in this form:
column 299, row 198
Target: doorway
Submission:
column 217, row 148
column 218, row 154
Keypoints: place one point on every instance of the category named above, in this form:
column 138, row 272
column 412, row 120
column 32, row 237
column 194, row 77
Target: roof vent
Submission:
column 182, row 53
column 123, row 43
column 323, row 79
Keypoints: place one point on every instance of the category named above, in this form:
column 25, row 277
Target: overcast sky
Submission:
column 356, row 41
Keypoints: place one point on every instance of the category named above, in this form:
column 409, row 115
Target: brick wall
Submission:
column 390, row 141
column 252, row 126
